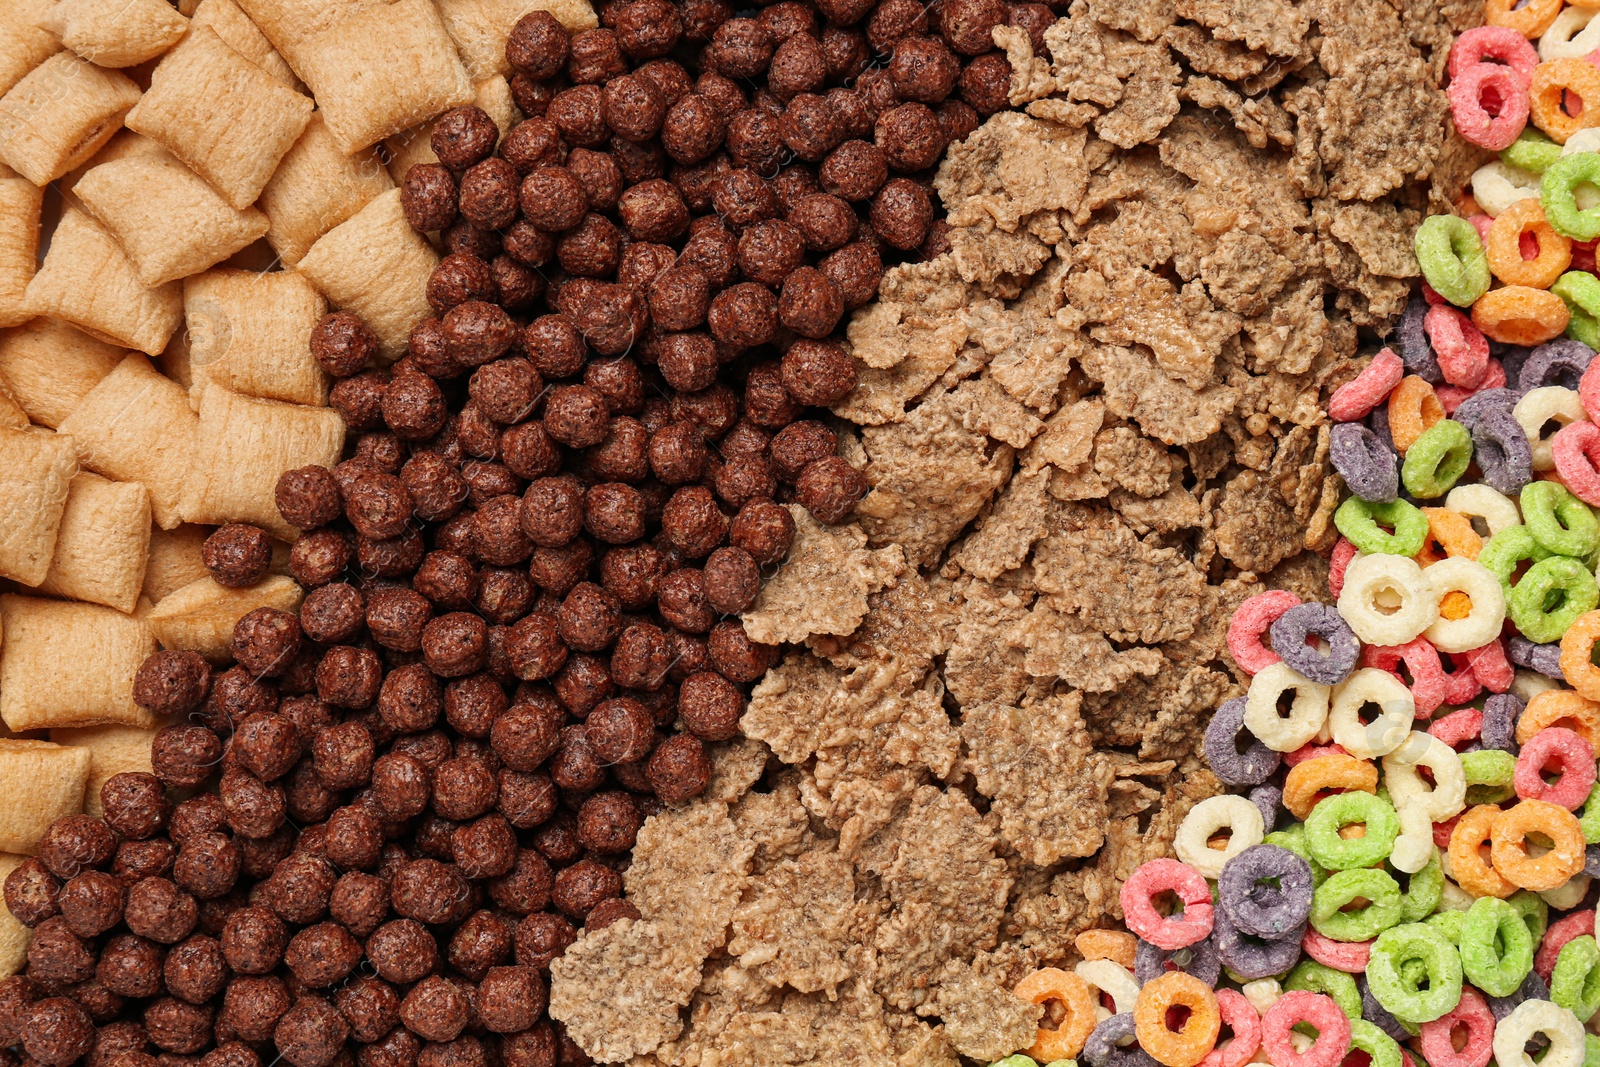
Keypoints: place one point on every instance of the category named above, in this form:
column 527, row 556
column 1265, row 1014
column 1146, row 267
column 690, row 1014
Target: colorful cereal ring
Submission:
column 1520, row 314
column 1354, row 399
column 1504, row 249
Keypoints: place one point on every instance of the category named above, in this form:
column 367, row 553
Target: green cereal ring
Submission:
column 1383, row 1050
column 1557, row 187
column 1534, row 911
column 1550, row 597
column 1448, row 923
column 1359, row 521
column 1496, row 947
column 1558, row 520
column 1502, row 552
column 1319, row 978
column 1347, row 809
column 1488, row 772
column 1399, row 988
column 1531, row 150
column 1451, row 256
column 1382, row 911
column 1591, row 1051
column 1589, row 817
column 1423, row 891
column 1575, row 983
column 1580, row 291
column 1437, row 459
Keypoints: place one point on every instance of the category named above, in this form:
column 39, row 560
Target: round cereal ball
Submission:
column 402, row 951
column 157, row 909
column 923, row 69
column 526, row 887
column 489, row 194
column 825, row 221
column 308, row 497
column 770, row 250
column 855, row 270
column 538, row 46
column 576, row 416
column 635, row 107
column 436, row 1009
column 620, row 730
column 171, row 682
column 252, row 1006
column 553, row 199
column 608, row 822
column 694, row 128
column 459, row 277
column 428, row 197
column 207, row 865
column 985, row 84
column 196, row 970
column 854, row 171
column 485, row 847
column 733, row 578
column 798, row 66
column 32, row 893
column 253, row 940
column 810, row 303
column 511, row 999
column 902, row 213
column 583, row 885
column 679, row 769
column 541, row 938
column 57, row 956
column 58, row 1032
column 76, row 843
column 579, row 113
column 371, row 1007
column 818, row 372
column 341, row 342
column 910, row 136
column 829, row 488
column 740, row 48
column 647, row 29
column 678, row 453
column 319, row 557
column 810, row 126
column 464, row 136
column 91, row 903
column 135, row 804
column 321, row 955
column 266, row 745
column 430, row 891
column 311, row 1033
column 185, row 756
column 766, row 402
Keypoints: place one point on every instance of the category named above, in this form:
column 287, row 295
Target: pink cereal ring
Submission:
column 1302, row 1006
column 1429, row 684
column 1356, row 398
column 1491, row 667
column 1458, row 727
column 1461, row 347
column 1434, row 299
column 1481, row 223
column 1241, row 1018
column 1438, row 1036
column 1310, row 752
column 1170, row 932
column 1556, row 936
column 1443, row 830
column 1576, row 450
column 1451, row 397
column 1495, row 43
column 1348, row 956
column 1461, row 684
column 1338, row 562
column 1495, row 378
column 1490, row 105
column 1573, row 758
column 1250, row 621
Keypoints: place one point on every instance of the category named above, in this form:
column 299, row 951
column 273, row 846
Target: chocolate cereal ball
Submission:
column 537, row 47
column 311, row 1033
column 58, row 1032
column 171, row 682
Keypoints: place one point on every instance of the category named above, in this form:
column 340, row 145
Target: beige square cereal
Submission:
column 20, row 201
column 102, row 544
column 174, row 560
column 117, row 33
column 315, row 188
column 50, row 367
column 112, row 750
column 174, row 363
column 243, row 446
column 24, row 43
column 227, row 21
column 88, row 280
column 166, row 218
column 415, row 145
column 251, row 333
column 383, row 69
column 12, row 417
column 67, row 664
column 14, row 937
column 292, row 25
column 36, row 467
column 123, row 144
column 200, row 616
column 377, row 266
column 480, row 27
column 222, row 115
column 136, row 426
column 60, row 114
column 39, row 783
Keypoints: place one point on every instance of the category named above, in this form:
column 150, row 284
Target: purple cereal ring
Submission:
column 1500, row 714
column 1102, row 1050
column 1199, row 959
column 1532, row 988
column 1377, row 1014
column 1293, row 630
column 1501, row 448
column 1561, row 362
column 1368, row 465
column 1511, row 357
column 1251, row 766
column 1546, row 659
column 1484, row 402
column 1415, row 352
column 1266, row 891
column 1378, row 423
column 1267, row 798
column 1253, row 957
column 1591, row 861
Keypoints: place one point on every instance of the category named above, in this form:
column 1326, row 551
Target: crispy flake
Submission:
column 822, row 587
column 619, row 990
column 694, row 846
column 796, row 921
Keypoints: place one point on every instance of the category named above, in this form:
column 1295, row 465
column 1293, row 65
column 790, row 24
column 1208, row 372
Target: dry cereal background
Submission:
column 1091, row 429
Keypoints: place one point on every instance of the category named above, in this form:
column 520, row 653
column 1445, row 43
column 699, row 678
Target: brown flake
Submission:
column 1009, row 168
column 1224, row 59
column 695, row 845
column 980, row 665
column 796, row 920
column 1145, row 19
column 1064, row 646
column 982, row 1017
column 1149, row 93
column 1023, row 513
column 619, row 989
column 1136, row 463
column 736, row 765
column 822, row 586
column 1276, row 26
column 913, row 622
column 1139, row 307
column 1256, row 530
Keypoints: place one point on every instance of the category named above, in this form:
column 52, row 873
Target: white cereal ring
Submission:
column 1227, row 812
column 1397, row 709
column 1306, row 715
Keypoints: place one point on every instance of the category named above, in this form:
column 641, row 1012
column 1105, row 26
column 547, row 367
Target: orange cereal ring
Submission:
column 1073, row 994
column 1504, row 247
column 1118, row 946
column 1560, row 707
column 1413, row 407
column 1577, row 655
column 1509, row 836
column 1520, row 315
column 1311, row 781
column 1452, row 533
column 1472, row 872
column 1554, row 85
column 1195, row 1038
column 1529, row 21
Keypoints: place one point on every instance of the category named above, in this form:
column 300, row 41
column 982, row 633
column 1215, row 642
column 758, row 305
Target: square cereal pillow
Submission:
column 36, row 468
column 480, row 28
column 226, row 20
column 20, row 203
column 251, row 333
column 243, row 446
column 24, row 42
column 116, row 33
column 69, row 665
column 410, row 147
column 102, row 545
column 136, row 426
column 14, row 937
column 291, row 24
column 112, row 750
column 201, row 615
column 166, row 218
column 49, row 367
column 39, row 783
column 315, row 188
column 377, row 266
column 221, row 114
column 175, row 560
column 88, row 280
column 60, row 114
